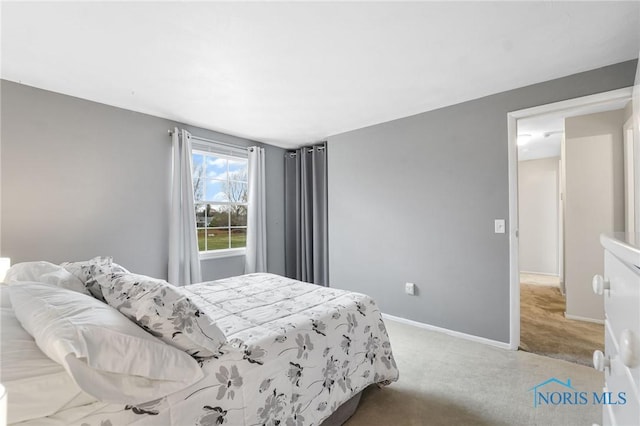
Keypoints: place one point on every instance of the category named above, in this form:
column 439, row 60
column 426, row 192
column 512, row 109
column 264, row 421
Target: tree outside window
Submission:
column 220, row 195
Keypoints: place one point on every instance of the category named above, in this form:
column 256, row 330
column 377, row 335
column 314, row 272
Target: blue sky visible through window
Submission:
column 220, row 194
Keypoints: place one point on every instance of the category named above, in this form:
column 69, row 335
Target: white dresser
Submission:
column 620, row 287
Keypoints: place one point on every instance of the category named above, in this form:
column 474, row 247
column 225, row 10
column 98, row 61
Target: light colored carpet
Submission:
column 445, row 380
column 544, row 330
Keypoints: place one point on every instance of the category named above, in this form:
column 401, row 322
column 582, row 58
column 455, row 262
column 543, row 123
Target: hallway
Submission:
column 545, row 331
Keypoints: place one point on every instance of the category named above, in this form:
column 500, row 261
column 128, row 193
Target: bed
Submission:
column 291, row 354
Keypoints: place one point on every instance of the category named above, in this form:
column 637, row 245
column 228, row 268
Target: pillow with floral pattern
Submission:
column 163, row 310
column 86, row 271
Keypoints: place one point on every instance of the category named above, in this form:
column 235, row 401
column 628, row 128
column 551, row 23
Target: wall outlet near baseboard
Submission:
column 410, row 288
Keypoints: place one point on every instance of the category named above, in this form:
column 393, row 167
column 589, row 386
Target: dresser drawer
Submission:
column 620, row 288
column 612, row 351
column 622, row 300
column 618, row 381
column 607, row 420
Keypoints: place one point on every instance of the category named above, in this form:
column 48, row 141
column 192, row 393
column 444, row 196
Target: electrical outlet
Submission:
column 410, row 288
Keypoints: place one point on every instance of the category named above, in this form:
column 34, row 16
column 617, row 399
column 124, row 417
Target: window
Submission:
column 220, row 198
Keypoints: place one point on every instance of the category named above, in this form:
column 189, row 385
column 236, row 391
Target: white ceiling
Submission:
column 544, row 132
column 290, row 73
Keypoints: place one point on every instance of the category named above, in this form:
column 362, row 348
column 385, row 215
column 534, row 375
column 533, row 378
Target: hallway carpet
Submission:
column 545, row 331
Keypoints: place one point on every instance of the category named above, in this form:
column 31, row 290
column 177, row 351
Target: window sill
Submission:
column 218, row 254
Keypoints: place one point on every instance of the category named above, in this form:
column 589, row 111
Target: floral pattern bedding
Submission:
column 294, row 353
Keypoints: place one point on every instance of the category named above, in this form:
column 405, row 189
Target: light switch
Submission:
column 499, row 226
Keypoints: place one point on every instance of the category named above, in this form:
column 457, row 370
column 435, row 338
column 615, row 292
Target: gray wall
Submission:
column 594, row 203
column 80, row 179
column 415, row 199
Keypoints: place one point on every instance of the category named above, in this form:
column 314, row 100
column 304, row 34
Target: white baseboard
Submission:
column 549, row 274
column 579, row 318
column 541, row 284
column 453, row 333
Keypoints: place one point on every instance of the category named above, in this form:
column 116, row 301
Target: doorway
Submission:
column 586, row 105
column 545, row 327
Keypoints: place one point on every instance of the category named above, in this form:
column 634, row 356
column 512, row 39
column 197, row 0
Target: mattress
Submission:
column 295, row 352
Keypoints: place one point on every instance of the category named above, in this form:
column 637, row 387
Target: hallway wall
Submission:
column 538, row 202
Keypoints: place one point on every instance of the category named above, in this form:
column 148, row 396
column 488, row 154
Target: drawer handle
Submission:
column 629, row 348
column 600, row 361
column 600, row 284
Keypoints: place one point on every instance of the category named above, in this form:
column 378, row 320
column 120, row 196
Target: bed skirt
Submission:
column 342, row 414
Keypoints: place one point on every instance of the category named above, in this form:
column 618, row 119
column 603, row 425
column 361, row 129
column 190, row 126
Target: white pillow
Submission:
column 108, row 356
column 164, row 310
column 44, row 272
column 37, row 386
column 85, row 271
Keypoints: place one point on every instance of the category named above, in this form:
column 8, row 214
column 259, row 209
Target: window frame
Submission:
column 218, row 150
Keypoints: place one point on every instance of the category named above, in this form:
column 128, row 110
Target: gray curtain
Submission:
column 306, row 250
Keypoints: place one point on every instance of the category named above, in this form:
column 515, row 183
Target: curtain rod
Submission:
column 213, row 141
column 292, row 154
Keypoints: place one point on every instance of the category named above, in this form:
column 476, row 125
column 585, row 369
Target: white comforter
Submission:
column 295, row 352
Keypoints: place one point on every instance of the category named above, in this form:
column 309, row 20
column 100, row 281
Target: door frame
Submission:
column 512, row 129
column 629, row 155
